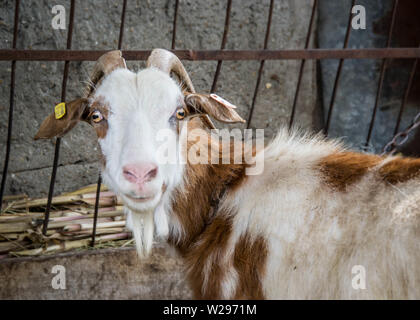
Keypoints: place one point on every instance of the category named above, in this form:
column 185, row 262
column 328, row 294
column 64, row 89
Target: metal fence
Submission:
column 221, row 55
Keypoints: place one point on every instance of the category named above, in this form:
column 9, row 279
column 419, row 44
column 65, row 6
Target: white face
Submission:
column 138, row 106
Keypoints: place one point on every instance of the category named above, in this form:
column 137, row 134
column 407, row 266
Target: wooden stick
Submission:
column 15, row 197
column 12, row 245
column 43, row 201
column 110, row 224
column 88, row 189
column 14, row 227
column 70, row 225
column 62, row 224
column 104, row 200
column 98, row 231
column 67, row 245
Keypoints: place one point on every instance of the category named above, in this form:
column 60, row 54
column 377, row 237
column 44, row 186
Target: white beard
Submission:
column 142, row 226
column 161, row 221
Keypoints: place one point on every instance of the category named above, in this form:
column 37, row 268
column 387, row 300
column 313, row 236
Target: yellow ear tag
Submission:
column 60, row 110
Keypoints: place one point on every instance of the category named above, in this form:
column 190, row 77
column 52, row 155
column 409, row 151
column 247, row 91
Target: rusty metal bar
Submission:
column 122, row 24
column 382, row 74
column 224, row 40
column 174, row 24
column 406, row 95
column 302, row 64
column 267, row 35
column 337, row 76
column 211, row 55
column 95, row 212
column 95, row 215
column 11, row 105
column 58, row 140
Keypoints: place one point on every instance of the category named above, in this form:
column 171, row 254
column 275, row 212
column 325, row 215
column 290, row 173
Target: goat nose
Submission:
column 140, row 173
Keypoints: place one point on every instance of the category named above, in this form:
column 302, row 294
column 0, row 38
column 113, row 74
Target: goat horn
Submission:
column 106, row 63
column 168, row 62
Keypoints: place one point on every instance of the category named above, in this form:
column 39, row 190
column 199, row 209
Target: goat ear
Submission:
column 57, row 124
column 214, row 106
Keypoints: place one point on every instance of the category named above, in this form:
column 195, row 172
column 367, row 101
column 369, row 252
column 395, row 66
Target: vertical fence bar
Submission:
column 174, row 24
column 337, row 76
column 11, row 106
column 95, row 215
column 406, row 94
column 267, row 35
column 58, row 140
column 99, row 183
column 302, row 64
column 382, row 74
column 120, row 38
column 224, row 40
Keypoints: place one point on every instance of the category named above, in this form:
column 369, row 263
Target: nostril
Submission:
column 130, row 176
column 152, row 174
column 128, row 173
column 140, row 173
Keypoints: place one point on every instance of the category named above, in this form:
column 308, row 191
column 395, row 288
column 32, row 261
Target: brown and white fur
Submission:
column 295, row 231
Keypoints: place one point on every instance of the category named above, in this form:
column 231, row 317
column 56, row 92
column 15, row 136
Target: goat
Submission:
column 319, row 222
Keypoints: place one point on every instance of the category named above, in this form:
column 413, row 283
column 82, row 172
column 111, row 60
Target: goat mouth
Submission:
column 139, row 198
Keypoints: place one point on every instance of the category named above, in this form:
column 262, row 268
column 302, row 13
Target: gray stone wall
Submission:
column 148, row 25
column 359, row 79
column 96, row 274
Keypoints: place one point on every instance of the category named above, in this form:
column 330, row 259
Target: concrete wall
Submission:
column 358, row 84
column 96, row 274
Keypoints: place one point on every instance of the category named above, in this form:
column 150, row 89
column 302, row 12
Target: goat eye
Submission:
column 180, row 113
column 97, row 116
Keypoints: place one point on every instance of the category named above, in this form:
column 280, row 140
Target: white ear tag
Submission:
column 222, row 101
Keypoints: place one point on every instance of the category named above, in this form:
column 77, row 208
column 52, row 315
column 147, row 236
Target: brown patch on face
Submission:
column 249, row 261
column 340, row 170
column 211, row 245
column 101, row 128
column 400, row 170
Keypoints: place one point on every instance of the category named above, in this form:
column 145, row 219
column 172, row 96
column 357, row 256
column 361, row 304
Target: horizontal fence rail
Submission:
column 208, row 55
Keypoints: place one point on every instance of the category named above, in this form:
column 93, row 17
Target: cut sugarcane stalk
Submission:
column 70, row 222
column 106, row 199
column 61, row 224
column 88, row 189
column 89, row 226
column 98, row 231
column 14, row 227
column 67, row 245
